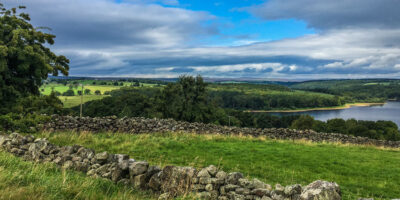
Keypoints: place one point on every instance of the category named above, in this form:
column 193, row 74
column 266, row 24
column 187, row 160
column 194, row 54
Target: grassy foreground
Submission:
column 26, row 180
column 361, row 171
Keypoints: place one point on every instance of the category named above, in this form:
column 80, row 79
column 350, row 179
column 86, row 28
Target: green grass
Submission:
column 27, row 180
column 63, row 88
column 71, row 101
column 361, row 171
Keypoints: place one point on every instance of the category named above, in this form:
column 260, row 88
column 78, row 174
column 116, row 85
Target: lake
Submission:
column 389, row 112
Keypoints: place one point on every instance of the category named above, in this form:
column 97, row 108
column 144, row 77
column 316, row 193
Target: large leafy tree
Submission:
column 187, row 100
column 25, row 59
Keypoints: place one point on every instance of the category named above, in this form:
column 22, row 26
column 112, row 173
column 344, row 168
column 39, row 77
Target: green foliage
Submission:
column 25, row 61
column 260, row 120
column 57, row 93
column 97, row 92
column 368, row 90
column 69, row 92
column 123, row 103
column 185, row 100
column 268, row 97
column 28, row 112
column 87, row 91
column 381, row 130
column 41, row 105
column 22, row 123
column 303, row 122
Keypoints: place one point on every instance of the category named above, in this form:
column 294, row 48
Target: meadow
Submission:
column 72, row 101
column 63, row 88
column 361, row 171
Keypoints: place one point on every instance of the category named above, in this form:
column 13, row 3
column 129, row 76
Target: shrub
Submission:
column 304, row 122
column 87, row 91
column 22, row 123
column 57, row 93
column 69, row 92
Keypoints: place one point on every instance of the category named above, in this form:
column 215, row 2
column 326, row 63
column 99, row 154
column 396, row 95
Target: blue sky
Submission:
column 263, row 39
column 238, row 26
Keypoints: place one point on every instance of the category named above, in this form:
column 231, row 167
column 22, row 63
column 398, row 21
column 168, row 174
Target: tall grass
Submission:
column 26, row 180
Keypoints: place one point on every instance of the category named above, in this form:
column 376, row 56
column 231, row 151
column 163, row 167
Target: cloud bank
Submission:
column 139, row 38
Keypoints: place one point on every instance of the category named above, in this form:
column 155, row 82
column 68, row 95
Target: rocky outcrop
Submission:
column 170, row 181
column 143, row 125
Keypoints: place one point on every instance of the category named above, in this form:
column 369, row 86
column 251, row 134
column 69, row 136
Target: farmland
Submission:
column 104, row 87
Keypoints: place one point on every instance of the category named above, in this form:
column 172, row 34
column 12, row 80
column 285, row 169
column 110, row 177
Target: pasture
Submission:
column 92, row 85
column 361, row 171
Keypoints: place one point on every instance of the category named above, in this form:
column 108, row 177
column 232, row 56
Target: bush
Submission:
column 42, row 105
column 69, row 92
column 381, row 130
column 22, row 123
column 97, row 92
column 57, row 93
column 303, row 123
column 87, row 91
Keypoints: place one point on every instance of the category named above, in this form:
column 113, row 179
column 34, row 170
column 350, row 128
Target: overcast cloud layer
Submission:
column 160, row 38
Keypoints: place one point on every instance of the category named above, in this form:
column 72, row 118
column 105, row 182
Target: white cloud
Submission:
column 107, row 24
column 135, row 38
column 237, row 67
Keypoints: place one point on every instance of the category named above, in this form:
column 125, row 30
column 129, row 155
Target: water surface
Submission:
column 389, row 112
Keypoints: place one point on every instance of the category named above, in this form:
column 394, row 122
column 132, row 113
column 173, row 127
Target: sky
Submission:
column 260, row 39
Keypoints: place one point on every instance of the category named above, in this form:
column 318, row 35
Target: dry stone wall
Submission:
column 143, row 125
column 170, row 181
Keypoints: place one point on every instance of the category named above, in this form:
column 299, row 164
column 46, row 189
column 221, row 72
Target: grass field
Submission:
column 63, row 88
column 361, row 171
column 20, row 180
column 71, row 101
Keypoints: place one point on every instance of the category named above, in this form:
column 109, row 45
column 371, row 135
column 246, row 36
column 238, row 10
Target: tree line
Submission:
column 243, row 101
column 381, row 130
column 370, row 90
